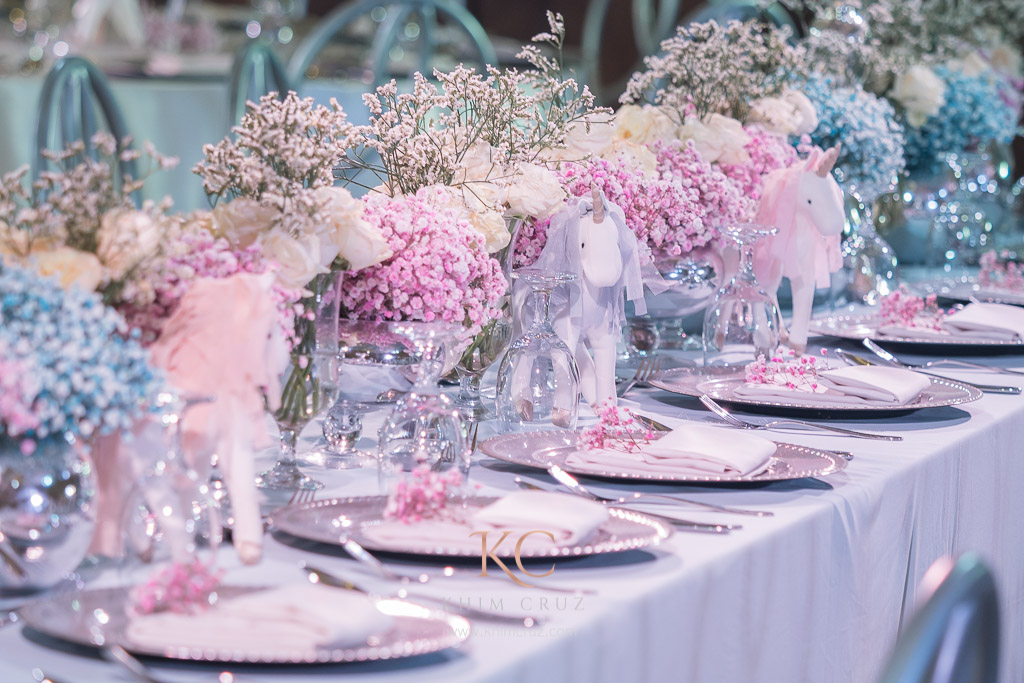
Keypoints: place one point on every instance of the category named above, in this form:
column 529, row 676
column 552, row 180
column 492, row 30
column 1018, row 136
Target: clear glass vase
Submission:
column 870, row 266
column 309, row 384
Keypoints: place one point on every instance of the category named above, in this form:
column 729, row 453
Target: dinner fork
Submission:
column 302, row 497
column 721, row 412
column 574, row 484
column 645, row 371
column 886, row 356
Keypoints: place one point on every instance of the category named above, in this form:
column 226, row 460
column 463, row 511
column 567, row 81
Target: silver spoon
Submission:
column 721, row 412
column 854, row 359
column 564, row 477
column 886, row 356
column 335, row 581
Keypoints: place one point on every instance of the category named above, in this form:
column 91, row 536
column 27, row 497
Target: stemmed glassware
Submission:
column 309, row 384
column 538, row 380
column 424, row 429
column 869, row 263
column 743, row 322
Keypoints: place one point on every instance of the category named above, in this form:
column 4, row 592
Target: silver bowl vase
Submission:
column 47, row 513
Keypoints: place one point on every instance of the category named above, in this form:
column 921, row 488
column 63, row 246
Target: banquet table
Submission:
column 817, row 592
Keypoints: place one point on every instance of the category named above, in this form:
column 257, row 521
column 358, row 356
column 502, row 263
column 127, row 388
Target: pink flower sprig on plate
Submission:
column 181, row 588
column 423, row 495
column 999, row 270
column 903, row 308
column 616, row 429
column 798, row 373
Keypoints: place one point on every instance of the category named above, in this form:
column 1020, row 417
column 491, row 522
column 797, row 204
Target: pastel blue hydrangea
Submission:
column 864, row 124
column 975, row 113
column 89, row 374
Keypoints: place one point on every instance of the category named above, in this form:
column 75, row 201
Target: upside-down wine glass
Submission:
column 538, row 380
column 309, row 384
column 743, row 321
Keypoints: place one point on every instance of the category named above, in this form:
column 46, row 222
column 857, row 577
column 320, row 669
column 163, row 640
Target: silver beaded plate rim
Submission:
column 721, row 383
column 334, row 520
column 544, row 449
column 865, row 326
column 416, row 630
column 967, row 291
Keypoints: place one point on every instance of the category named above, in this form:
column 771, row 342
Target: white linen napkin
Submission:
column 691, row 449
column 851, row 386
column 999, row 322
column 294, row 618
column 568, row 518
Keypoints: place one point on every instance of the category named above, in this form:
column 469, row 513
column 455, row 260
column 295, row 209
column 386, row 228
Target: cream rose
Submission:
column 581, row 143
column 299, row 258
column 491, row 225
column 70, row 266
column 718, row 139
column 126, row 238
column 1007, row 59
column 349, row 236
column 637, row 156
column 241, row 221
column 920, row 92
column 644, row 125
column 789, row 114
column 534, row 191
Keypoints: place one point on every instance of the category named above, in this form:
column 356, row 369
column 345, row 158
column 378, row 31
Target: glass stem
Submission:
column 541, row 306
column 289, row 438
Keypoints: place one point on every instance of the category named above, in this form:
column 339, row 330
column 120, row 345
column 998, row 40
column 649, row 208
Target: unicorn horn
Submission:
column 598, row 204
column 828, row 160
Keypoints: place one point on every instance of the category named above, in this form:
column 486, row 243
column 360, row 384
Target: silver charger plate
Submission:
column 544, row 449
column 330, row 521
column 865, row 326
column 415, row 630
column 721, row 383
column 966, row 291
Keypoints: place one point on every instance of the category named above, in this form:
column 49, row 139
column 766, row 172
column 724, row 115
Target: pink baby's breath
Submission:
column 616, row 429
column 423, row 495
column 903, row 308
column 180, row 587
column 1000, row 271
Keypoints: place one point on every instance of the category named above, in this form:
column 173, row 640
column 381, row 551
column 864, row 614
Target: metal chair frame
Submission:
column 256, row 71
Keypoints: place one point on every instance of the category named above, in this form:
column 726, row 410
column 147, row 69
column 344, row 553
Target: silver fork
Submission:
column 646, row 371
column 302, row 497
column 564, row 477
column 886, row 356
column 721, row 412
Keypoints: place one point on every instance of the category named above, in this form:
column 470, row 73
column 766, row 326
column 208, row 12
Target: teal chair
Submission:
column 954, row 637
column 742, row 10
column 256, row 72
column 76, row 102
column 396, row 15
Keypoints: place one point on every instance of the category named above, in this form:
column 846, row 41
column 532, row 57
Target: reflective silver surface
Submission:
column 416, row 630
column 544, row 449
column 47, row 513
column 865, row 326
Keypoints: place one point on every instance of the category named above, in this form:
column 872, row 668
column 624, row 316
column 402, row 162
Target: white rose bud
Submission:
column 298, row 258
column 126, row 238
column 920, row 92
column 241, row 221
column 535, row 191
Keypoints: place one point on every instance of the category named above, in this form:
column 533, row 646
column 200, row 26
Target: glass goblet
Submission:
column 743, row 321
column 538, row 380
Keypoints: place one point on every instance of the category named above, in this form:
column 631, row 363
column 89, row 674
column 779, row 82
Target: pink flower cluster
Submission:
column 903, row 308
column 424, row 495
column 767, row 153
column 440, row 269
column 180, row 588
column 798, row 373
column 198, row 254
column 16, row 396
column 1003, row 274
column 616, row 429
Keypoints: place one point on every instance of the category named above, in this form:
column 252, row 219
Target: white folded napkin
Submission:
column 691, row 449
column 294, row 618
column 852, row 386
column 999, row 322
column 569, row 519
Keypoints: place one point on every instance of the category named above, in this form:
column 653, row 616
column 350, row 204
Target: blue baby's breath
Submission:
column 90, row 376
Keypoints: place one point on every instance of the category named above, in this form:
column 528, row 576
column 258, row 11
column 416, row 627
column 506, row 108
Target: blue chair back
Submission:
column 396, row 15
column 256, row 72
column 954, row 637
column 76, row 99
column 723, row 11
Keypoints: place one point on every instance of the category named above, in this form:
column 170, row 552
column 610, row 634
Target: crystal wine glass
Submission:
column 538, row 380
column 425, row 428
column 743, row 322
column 310, row 383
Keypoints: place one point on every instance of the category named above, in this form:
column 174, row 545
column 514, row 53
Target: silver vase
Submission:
column 47, row 513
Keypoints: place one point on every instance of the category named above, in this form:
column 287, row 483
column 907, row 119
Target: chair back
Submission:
column 723, row 11
column 256, row 72
column 394, row 17
column 954, row 637
column 76, row 101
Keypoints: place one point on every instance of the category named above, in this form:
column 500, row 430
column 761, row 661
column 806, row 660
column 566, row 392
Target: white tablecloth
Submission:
column 816, row 593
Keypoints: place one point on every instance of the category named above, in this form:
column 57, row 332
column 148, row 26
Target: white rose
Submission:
column 298, row 258
column 718, row 139
column 126, row 238
column 790, row 114
column 478, row 163
column 581, row 143
column 241, row 221
column 491, row 225
column 972, row 65
column 644, row 125
column 361, row 245
column 808, row 116
column 466, row 205
column 72, row 267
column 920, row 92
column 534, row 191
column 1006, row 58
